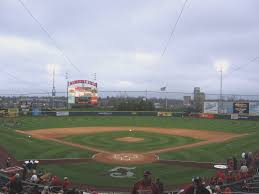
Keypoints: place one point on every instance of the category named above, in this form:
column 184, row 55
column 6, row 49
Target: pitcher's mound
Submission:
column 129, row 139
column 125, row 158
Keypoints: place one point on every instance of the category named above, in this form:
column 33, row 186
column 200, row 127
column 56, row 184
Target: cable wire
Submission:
column 49, row 36
column 174, row 28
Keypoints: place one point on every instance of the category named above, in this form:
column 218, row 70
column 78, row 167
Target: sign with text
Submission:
column 82, row 92
column 62, row 113
column 211, row 107
column 164, row 114
column 254, row 108
column 241, row 107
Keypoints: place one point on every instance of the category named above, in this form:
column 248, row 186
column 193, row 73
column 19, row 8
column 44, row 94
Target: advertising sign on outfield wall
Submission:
column 62, row 113
column 36, row 112
column 207, row 115
column 241, row 107
column 164, row 114
column 211, row 107
column 4, row 112
column 234, row 116
column 254, row 108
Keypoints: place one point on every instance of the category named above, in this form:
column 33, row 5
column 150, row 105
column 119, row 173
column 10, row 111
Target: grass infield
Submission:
column 107, row 141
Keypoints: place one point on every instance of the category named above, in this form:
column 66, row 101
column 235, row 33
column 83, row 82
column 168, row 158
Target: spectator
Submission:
column 15, row 184
column 220, row 181
column 145, row 186
column 257, row 163
column 230, row 177
column 196, row 187
column 234, row 163
column 34, row 177
column 249, row 159
column 160, row 186
column 35, row 190
column 45, row 190
column 213, row 180
column 24, row 172
column 244, row 155
column 227, row 190
column 30, row 164
column 221, row 174
column 66, row 184
column 8, row 162
column 245, row 186
column 35, row 164
column 55, row 181
column 230, row 164
column 93, row 191
column 5, row 190
column 243, row 171
column 209, row 189
column 217, row 189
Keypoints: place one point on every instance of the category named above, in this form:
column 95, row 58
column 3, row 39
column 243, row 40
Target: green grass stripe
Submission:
column 23, row 147
column 218, row 151
column 29, row 123
column 151, row 141
column 97, row 173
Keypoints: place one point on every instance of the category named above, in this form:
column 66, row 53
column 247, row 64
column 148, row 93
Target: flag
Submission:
column 163, row 88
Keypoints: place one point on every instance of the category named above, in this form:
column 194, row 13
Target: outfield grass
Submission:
column 152, row 141
column 97, row 174
column 23, row 147
column 218, row 151
column 30, row 123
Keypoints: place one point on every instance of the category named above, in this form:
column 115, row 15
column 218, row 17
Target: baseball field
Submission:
column 113, row 151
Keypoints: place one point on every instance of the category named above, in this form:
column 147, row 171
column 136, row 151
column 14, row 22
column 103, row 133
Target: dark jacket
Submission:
column 200, row 190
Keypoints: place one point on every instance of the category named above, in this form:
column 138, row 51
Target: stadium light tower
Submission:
column 53, row 87
column 221, row 68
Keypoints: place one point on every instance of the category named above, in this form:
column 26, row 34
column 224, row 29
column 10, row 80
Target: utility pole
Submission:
column 95, row 77
column 166, row 100
column 53, row 88
column 67, row 88
column 221, row 97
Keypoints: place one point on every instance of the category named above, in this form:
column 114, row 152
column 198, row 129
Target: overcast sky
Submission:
column 122, row 41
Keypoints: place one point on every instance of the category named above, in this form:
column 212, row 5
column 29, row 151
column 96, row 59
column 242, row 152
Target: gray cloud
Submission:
column 122, row 42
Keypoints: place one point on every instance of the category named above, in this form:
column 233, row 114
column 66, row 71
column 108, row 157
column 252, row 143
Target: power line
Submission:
column 49, row 36
column 20, row 80
column 237, row 69
column 241, row 66
column 174, row 28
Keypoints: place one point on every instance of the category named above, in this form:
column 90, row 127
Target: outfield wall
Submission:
column 151, row 113
column 133, row 113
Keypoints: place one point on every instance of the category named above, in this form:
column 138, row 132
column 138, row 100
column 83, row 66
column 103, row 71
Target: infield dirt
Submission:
column 54, row 134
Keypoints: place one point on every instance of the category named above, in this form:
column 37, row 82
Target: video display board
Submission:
column 82, row 92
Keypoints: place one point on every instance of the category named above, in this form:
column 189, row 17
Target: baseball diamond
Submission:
column 68, row 146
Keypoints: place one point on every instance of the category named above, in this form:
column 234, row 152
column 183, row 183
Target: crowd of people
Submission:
column 237, row 172
column 236, row 175
column 31, row 180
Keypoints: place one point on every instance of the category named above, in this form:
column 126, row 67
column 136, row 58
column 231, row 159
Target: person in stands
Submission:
column 257, row 163
column 8, row 162
column 65, row 184
column 196, row 187
column 234, row 163
column 160, row 186
column 15, row 184
column 34, row 177
column 145, row 186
